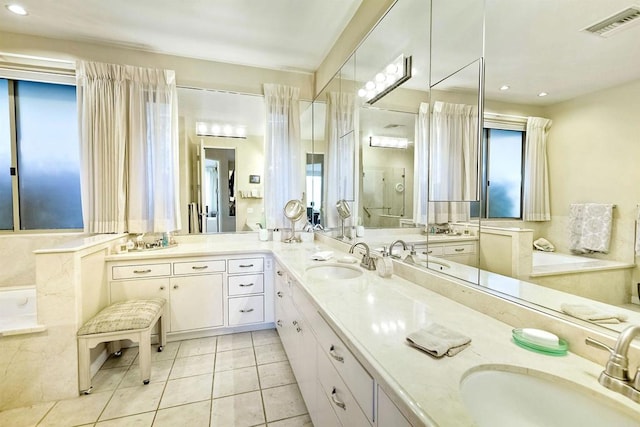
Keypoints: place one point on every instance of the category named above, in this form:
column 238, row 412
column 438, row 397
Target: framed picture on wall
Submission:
column 254, row 179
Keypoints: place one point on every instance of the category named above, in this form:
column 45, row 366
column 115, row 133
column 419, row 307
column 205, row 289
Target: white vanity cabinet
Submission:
column 202, row 293
column 464, row 252
column 336, row 388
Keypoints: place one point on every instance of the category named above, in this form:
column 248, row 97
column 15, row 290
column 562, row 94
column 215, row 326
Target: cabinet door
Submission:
column 196, row 302
column 142, row 289
column 388, row 414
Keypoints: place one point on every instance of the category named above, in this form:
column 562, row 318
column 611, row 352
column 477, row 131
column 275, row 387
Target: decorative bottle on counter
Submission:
column 384, row 264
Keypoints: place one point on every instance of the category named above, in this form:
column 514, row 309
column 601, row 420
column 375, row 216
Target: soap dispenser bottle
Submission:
column 384, row 264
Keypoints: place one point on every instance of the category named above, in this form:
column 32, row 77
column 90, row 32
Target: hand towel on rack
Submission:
column 438, row 340
column 592, row 314
column 576, row 214
column 596, row 227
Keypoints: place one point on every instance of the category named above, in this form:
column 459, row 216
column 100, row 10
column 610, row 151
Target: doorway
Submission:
column 218, row 190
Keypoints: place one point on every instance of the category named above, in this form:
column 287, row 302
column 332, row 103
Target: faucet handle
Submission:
column 595, row 343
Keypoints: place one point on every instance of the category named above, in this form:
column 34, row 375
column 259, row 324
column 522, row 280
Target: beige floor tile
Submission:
column 137, row 420
column 270, row 353
column 191, row 415
column 283, row 402
column 237, row 381
column 25, row 417
column 194, row 365
column 159, row 373
column 187, row 390
column 301, row 421
column 264, row 337
column 234, row 341
column 239, row 410
column 125, row 360
column 80, row 410
column 108, row 379
column 235, row 359
column 133, row 400
column 197, row 347
column 169, row 351
column 275, row 374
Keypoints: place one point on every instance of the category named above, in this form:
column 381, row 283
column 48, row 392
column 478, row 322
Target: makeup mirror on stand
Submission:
column 294, row 210
column 344, row 212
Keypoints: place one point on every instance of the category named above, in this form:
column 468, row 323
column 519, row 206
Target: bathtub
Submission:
column 601, row 280
column 18, row 310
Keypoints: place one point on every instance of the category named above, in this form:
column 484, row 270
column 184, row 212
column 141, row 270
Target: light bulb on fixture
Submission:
column 202, row 128
column 227, row 130
column 504, row 87
column 362, row 92
column 541, row 94
column 370, row 85
column 215, row 129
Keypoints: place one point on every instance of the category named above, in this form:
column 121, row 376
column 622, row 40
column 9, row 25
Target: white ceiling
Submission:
column 278, row 34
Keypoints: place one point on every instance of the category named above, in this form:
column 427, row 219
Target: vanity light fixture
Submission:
column 224, row 131
column 17, row 9
column 392, row 76
column 388, row 142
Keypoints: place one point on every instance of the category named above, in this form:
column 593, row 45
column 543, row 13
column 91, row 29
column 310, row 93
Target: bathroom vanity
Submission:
column 345, row 336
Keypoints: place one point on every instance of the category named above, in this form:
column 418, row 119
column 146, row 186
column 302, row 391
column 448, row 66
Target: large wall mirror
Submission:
column 592, row 102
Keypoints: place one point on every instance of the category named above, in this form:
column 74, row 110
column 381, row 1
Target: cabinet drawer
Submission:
column 246, row 265
column 432, row 250
column 140, row 271
column 459, row 249
column 246, row 310
column 340, row 397
column 246, row 284
column 354, row 375
column 199, row 267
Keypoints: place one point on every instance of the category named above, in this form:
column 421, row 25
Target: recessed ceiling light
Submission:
column 17, row 9
column 543, row 94
column 504, row 87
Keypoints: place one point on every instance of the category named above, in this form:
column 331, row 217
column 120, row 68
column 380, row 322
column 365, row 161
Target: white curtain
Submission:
column 420, row 166
column 284, row 154
column 340, row 158
column 454, row 161
column 536, row 205
column 128, row 122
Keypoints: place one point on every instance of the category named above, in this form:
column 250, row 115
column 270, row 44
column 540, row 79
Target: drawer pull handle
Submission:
column 148, row 270
column 280, row 294
column 279, row 323
column 162, row 288
column 338, row 403
column 295, row 323
column 459, row 249
column 175, row 286
column 244, row 285
column 280, row 273
column 298, row 329
column 332, row 352
column 248, row 310
column 245, row 265
column 428, row 252
column 199, row 267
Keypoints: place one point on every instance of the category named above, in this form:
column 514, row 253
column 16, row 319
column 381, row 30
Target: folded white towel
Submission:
column 322, row 256
column 592, row 314
column 437, row 340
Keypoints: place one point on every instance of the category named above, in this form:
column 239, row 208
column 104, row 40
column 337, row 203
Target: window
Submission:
column 39, row 156
column 502, row 170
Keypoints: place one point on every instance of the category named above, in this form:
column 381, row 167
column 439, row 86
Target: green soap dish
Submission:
column 559, row 349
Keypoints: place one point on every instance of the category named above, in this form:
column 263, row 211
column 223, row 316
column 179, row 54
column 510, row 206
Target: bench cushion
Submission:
column 123, row 316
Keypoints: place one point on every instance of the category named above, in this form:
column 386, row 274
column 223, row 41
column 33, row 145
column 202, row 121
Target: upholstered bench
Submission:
column 126, row 320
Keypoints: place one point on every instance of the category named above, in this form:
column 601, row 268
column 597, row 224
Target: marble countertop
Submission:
column 373, row 315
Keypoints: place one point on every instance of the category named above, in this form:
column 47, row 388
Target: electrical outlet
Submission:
column 268, row 264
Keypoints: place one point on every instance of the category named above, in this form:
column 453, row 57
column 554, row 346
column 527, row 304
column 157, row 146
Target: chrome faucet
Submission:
column 404, row 246
column 616, row 373
column 367, row 262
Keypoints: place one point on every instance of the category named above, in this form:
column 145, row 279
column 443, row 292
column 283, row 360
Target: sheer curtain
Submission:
column 420, row 166
column 128, row 124
column 454, row 161
column 284, row 160
column 536, row 205
column 340, row 157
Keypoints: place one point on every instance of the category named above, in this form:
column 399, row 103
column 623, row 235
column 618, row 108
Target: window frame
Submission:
column 12, row 76
column 506, row 123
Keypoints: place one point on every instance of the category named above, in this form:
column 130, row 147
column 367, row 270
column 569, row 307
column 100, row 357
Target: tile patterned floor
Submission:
column 230, row 380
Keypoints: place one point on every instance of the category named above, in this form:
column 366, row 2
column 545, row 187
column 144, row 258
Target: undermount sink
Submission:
column 333, row 272
column 496, row 397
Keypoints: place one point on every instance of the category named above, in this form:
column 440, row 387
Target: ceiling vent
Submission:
column 614, row 23
column 393, row 126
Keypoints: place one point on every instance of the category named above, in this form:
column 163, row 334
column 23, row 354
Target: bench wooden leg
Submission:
column 84, row 366
column 144, row 356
